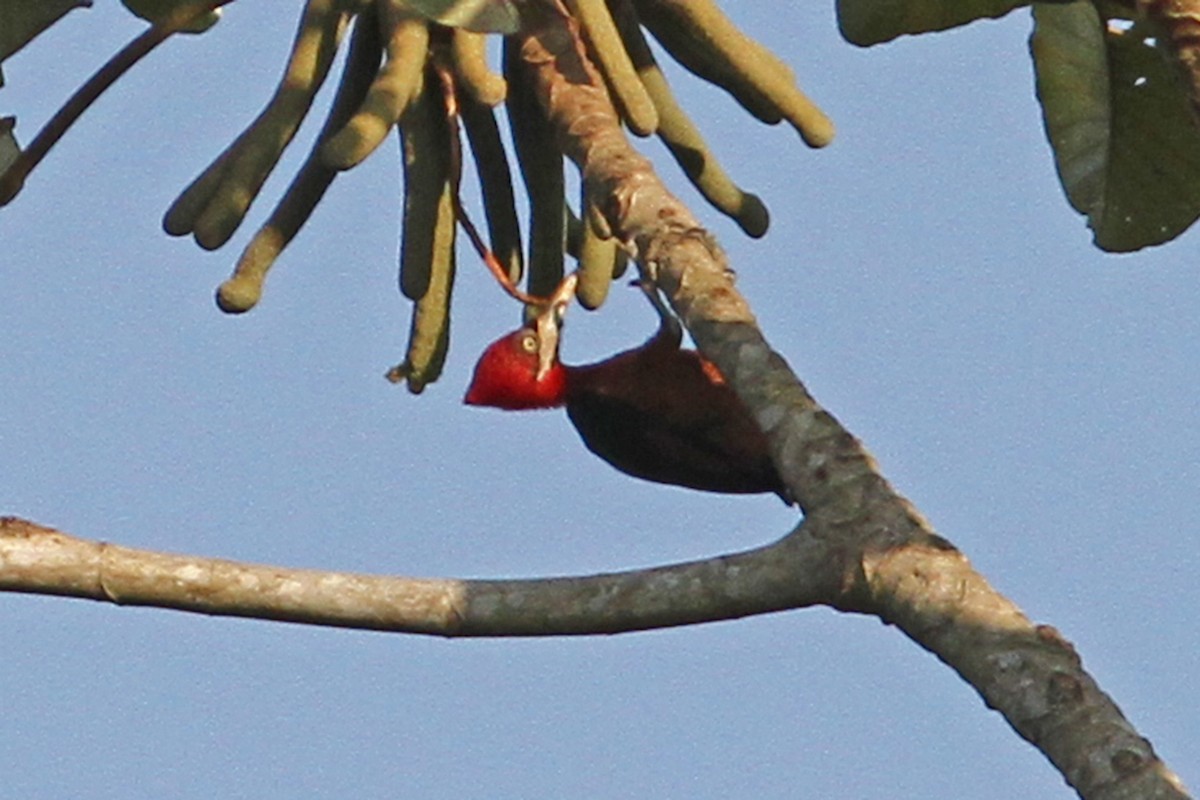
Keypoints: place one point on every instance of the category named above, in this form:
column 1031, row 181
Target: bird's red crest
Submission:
column 506, row 376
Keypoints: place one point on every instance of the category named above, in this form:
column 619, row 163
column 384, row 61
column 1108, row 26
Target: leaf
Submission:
column 1125, row 143
column 480, row 16
column 868, row 22
column 21, row 20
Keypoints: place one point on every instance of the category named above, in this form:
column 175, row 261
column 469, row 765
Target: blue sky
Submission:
column 924, row 276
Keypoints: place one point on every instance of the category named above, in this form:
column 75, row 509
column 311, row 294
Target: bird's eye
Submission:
column 529, row 343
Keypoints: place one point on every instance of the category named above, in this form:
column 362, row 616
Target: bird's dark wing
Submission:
column 710, row 452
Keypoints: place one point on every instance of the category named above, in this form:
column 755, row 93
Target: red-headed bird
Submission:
column 656, row 412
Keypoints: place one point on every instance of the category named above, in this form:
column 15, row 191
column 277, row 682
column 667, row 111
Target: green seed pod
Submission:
column 703, row 39
column 541, row 164
column 495, row 181
column 398, row 82
column 215, row 204
column 637, row 109
column 242, row 291
column 683, row 139
column 429, row 336
column 425, row 145
column 597, row 257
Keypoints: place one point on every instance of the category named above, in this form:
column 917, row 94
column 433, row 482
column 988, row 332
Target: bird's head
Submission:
column 515, row 373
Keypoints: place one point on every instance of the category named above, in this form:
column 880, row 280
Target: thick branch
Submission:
column 785, row 575
column 901, row 570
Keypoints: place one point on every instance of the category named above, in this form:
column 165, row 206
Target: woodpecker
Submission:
column 658, row 412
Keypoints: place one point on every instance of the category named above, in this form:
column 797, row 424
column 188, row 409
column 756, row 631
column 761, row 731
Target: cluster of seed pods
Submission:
column 421, row 69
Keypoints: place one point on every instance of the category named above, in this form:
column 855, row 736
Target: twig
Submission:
column 14, row 177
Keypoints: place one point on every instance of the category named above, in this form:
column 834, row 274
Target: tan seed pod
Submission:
column 469, row 54
column 597, row 256
column 432, row 250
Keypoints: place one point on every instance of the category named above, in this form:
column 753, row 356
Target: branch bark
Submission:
column 900, row 570
column 788, row 574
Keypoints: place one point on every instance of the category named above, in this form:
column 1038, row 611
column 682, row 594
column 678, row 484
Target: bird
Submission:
column 658, row 412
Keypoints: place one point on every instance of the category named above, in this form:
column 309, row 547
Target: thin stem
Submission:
column 13, row 178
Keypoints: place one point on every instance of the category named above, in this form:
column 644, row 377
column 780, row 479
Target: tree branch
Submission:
column 897, row 567
column 13, row 178
column 791, row 573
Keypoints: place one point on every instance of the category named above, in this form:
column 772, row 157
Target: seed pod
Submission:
column 429, row 333
column 242, row 291
column 215, row 204
column 469, row 53
column 428, row 243
column 541, row 164
column 699, row 35
column 407, row 43
column 607, row 50
column 597, row 257
column 681, row 136
column 495, row 181
column 425, row 145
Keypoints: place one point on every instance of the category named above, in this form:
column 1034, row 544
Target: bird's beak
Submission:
column 549, row 324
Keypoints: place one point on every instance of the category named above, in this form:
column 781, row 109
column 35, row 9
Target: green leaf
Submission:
column 868, row 22
column 1125, row 143
column 481, row 16
column 21, row 20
